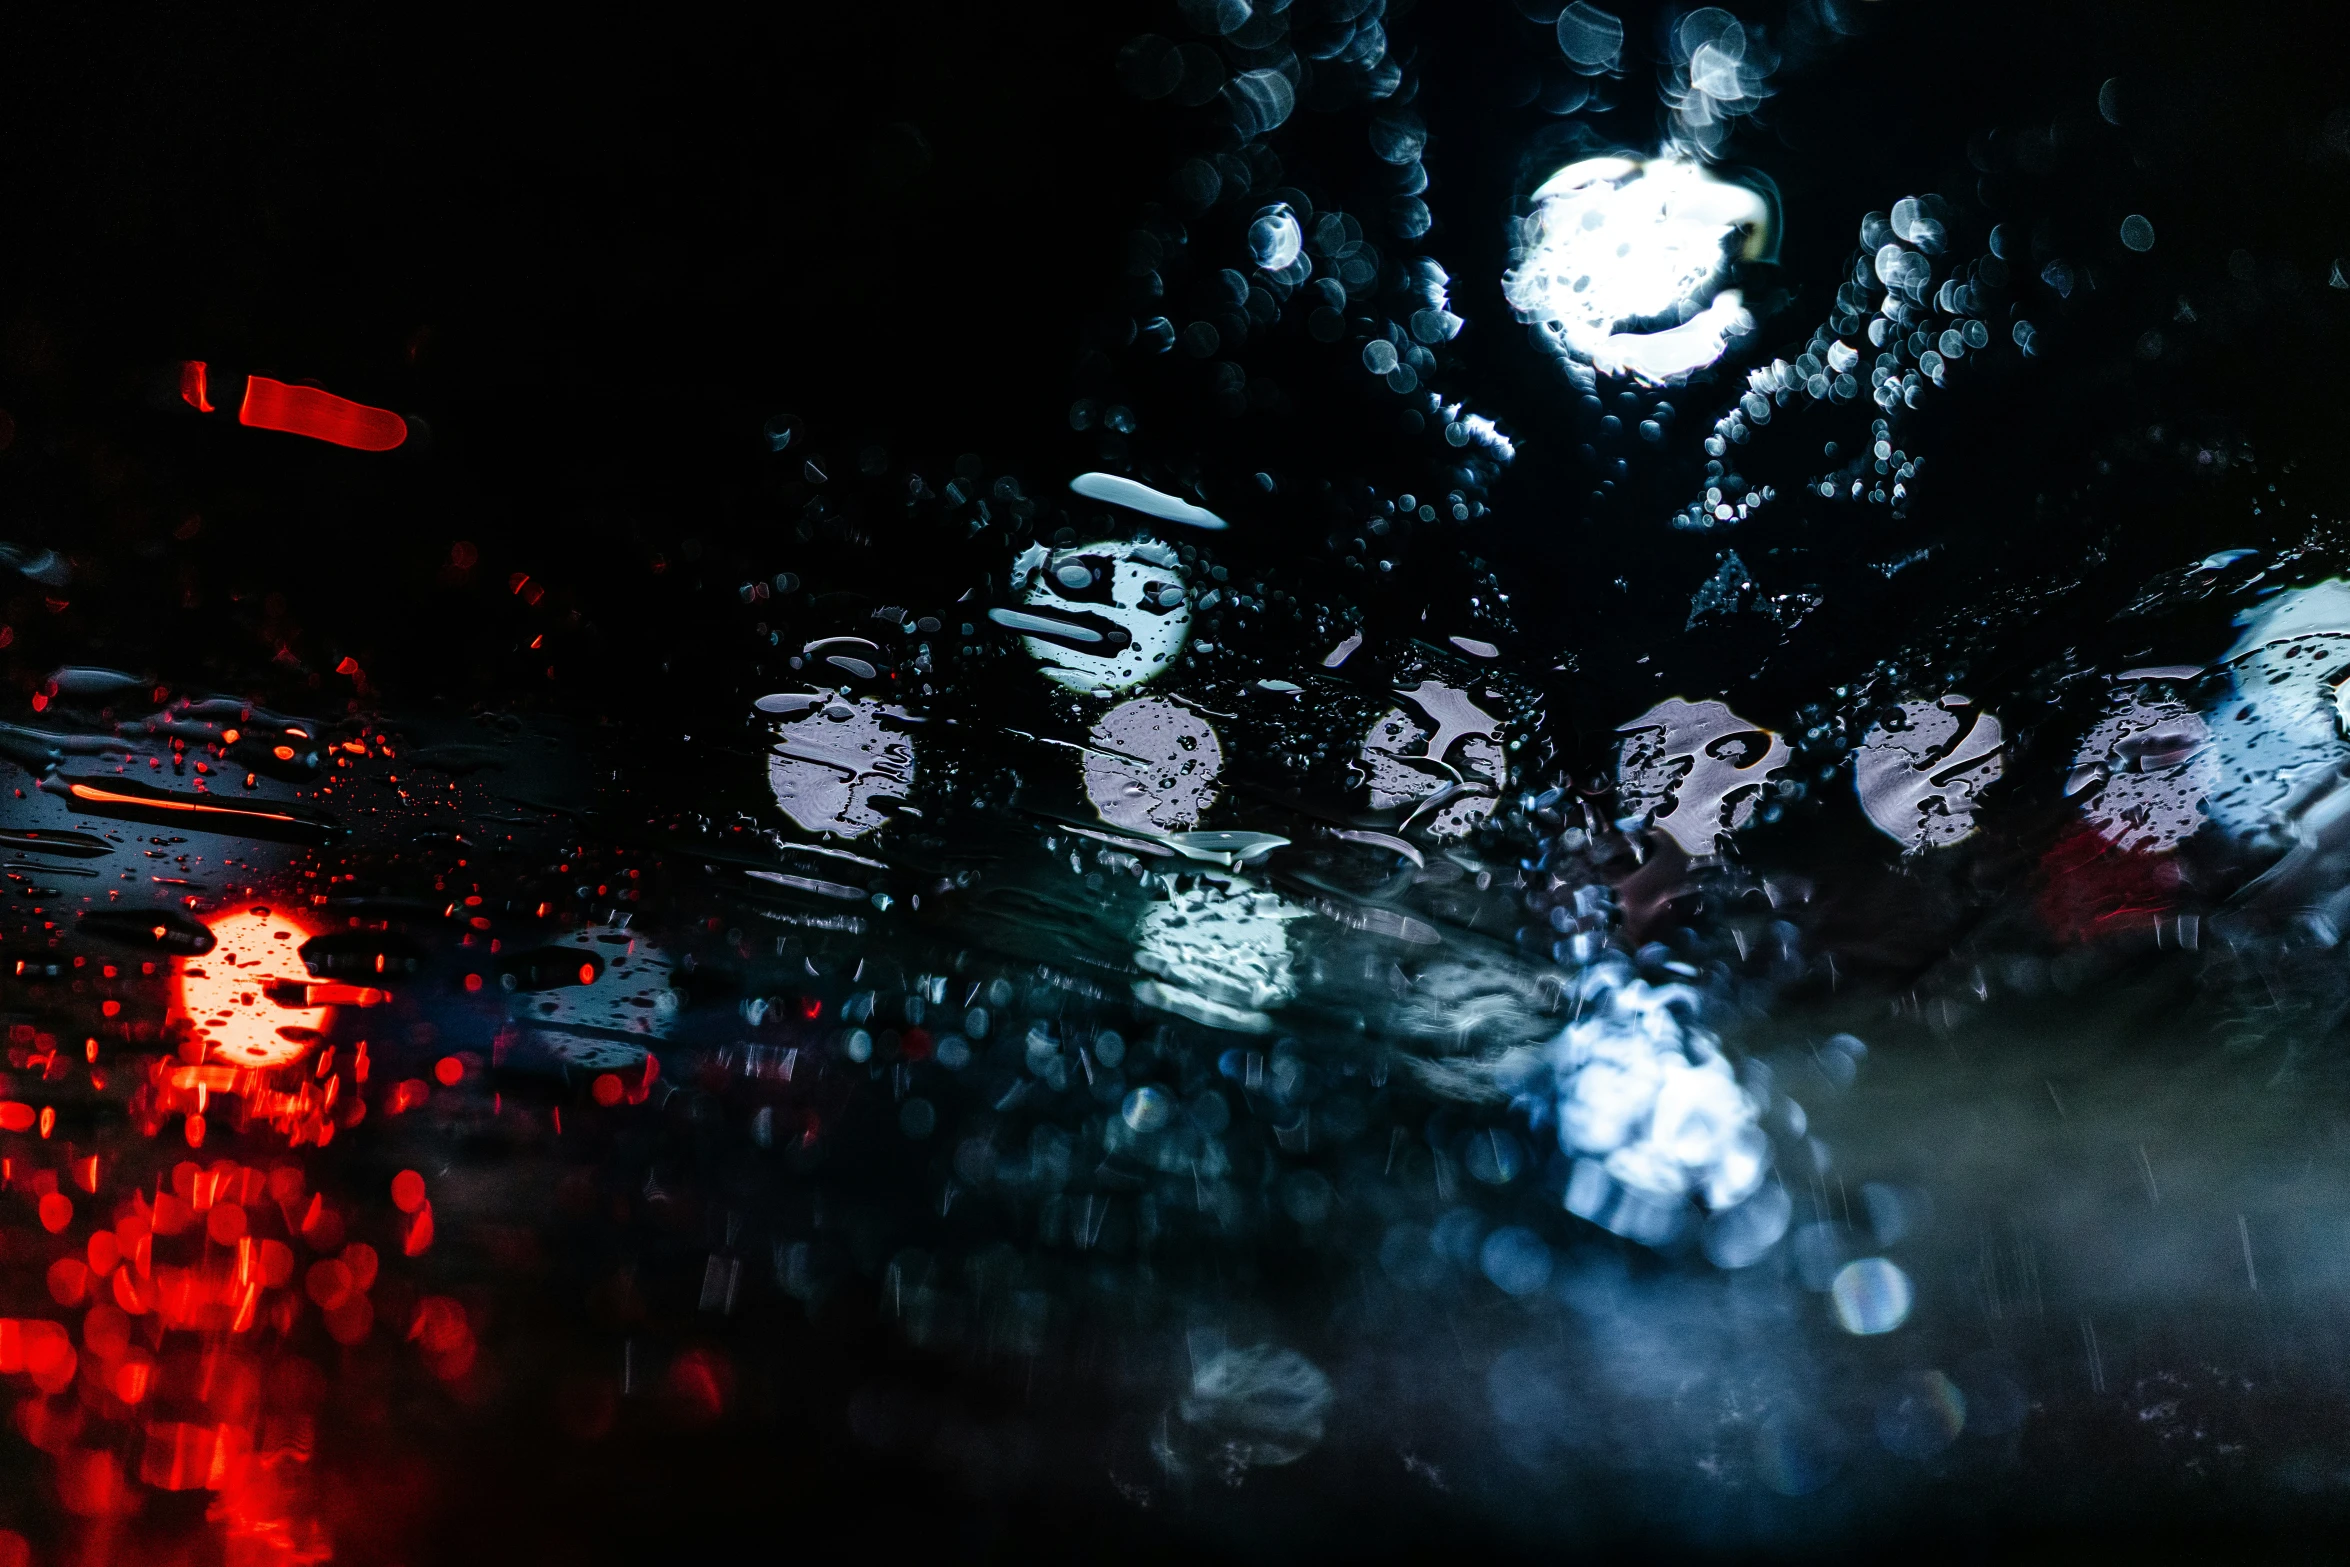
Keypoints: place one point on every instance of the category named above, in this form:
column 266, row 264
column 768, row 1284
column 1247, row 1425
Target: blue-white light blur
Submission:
column 2284, row 725
column 1648, row 1107
column 1623, row 265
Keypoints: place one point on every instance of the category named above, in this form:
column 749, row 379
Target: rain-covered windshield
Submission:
column 1275, row 778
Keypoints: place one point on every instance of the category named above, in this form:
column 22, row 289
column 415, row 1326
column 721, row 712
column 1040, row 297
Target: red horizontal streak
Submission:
column 305, row 410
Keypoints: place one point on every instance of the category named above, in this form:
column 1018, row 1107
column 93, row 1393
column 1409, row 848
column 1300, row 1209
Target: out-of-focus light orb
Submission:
column 1275, row 237
column 2281, row 725
column 1871, row 1296
column 1100, row 617
column 1590, row 38
column 838, row 762
column 1624, row 265
column 1919, row 771
column 1219, row 954
column 1718, row 77
column 1259, row 1406
column 1653, row 1114
column 1148, row 1108
column 1696, row 770
column 2141, row 776
column 1152, row 766
column 226, row 995
column 632, row 996
column 1516, row 1260
column 1450, row 760
column 1742, row 1236
column 1920, row 1415
column 606, row 1026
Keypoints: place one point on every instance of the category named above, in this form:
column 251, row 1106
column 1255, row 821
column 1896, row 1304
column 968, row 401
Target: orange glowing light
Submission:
column 227, row 996
column 322, row 416
column 99, row 796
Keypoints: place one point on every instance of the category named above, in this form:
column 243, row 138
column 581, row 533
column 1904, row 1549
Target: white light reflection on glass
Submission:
column 1152, row 766
column 2282, row 728
column 1624, row 263
column 1650, row 1110
column 839, row 764
column 1100, row 617
column 2143, row 773
column 1696, row 771
column 1219, row 951
column 1920, row 770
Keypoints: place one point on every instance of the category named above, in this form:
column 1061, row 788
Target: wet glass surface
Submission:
column 1237, row 779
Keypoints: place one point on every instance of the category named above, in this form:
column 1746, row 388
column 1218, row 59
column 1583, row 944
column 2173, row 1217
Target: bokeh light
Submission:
column 1624, row 264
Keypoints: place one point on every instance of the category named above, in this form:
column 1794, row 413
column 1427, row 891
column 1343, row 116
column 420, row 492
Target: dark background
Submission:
column 595, row 262
column 596, row 258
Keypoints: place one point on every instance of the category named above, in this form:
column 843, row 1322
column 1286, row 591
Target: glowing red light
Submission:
column 305, row 410
column 408, row 1191
column 69, row 1279
column 192, row 386
column 132, row 1379
column 328, row 1283
column 419, row 1234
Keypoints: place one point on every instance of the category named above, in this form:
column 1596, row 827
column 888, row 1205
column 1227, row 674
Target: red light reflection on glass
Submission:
column 226, row 996
column 305, row 410
column 192, row 386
